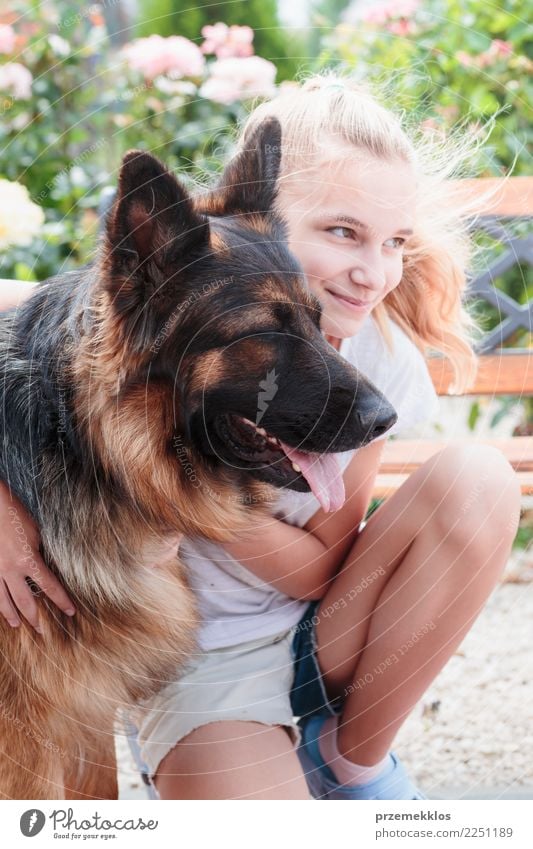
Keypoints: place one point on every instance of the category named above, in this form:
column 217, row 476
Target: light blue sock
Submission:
column 346, row 772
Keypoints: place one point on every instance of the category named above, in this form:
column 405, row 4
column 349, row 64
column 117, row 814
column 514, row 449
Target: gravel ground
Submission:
column 472, row 734
column 473, row 730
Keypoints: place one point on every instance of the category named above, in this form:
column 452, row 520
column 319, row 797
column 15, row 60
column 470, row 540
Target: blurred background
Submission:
column 78, row 88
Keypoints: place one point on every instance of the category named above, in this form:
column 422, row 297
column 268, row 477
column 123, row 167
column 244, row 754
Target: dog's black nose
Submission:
column 375, row 422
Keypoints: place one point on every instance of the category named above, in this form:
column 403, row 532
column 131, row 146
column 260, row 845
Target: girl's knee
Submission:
column 474, row 489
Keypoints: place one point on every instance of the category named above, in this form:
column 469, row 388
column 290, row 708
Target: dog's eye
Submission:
column 283, row 312
column 259, row 332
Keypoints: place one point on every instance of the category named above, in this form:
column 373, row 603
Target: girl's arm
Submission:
column 14, row 292
column 19, row 553
column 302, row 561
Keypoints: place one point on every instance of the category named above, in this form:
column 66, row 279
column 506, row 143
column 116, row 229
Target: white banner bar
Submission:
column 473, row 824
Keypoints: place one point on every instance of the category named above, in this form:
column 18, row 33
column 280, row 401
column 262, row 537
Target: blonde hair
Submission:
column 429, row 301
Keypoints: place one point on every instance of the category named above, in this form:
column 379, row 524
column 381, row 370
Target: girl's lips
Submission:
column 354, row 306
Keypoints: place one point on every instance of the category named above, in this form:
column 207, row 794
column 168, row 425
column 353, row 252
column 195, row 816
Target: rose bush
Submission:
column 447, row 62
column 71, row 104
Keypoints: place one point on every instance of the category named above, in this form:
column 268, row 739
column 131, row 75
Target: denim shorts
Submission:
column 308, row 692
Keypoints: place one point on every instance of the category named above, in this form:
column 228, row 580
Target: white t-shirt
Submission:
column 237, row 606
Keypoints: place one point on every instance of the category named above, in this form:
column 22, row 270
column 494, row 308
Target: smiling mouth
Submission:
column 286, row 466
column 353, row 302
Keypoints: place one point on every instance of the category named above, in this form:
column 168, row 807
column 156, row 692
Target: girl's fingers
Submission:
column 7, row 608
column 52, row 588
column 23, row 600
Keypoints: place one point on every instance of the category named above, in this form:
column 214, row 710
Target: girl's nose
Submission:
column 368, row 276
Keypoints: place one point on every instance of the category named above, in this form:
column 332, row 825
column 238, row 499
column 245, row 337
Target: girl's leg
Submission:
column 232, row 760
column 413, row 583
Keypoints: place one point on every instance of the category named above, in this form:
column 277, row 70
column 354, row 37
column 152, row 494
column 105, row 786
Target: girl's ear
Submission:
column 249, row 182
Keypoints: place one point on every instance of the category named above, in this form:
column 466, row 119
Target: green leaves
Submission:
column 87, row 108
column 465, row 54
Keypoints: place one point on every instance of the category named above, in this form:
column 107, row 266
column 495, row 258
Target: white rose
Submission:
column 16, row 80
column 20, row 218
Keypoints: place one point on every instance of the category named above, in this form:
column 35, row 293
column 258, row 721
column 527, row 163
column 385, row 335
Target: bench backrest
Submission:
column 502, row 371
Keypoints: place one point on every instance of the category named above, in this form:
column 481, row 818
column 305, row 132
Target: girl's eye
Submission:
column 344, row 232
column 397, row 242
column 347, row 233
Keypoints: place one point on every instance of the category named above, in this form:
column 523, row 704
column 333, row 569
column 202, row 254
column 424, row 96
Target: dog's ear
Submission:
column 249, row 182
column 152, row 233
column 153, row 213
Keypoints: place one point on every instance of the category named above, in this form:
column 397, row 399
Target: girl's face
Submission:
column 348, row 223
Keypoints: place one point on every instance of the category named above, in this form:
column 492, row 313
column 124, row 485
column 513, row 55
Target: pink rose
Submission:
column 176, row 56
column 239, row 43
column 390, row 11
column 465, row 59
column 375, row 16
column 402, row 27
column 7, row 38
column 16, row 80
column 227, row 42
column 499, row 49
column 238, row 79
column 405, row 8
column 215, row 36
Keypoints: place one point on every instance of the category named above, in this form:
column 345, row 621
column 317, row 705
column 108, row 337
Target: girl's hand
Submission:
column 20, row 558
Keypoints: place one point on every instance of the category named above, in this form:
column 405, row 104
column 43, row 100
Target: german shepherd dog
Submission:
column 129, row 400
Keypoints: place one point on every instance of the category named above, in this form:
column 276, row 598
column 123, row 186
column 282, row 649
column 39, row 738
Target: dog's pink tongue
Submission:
column 323, row 474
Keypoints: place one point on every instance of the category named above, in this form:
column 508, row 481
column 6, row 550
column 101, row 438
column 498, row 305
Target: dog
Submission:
column 129, row 417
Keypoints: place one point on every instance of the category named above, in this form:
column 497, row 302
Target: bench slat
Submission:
column 387, row 485
column 499, row 374
column 406, row 455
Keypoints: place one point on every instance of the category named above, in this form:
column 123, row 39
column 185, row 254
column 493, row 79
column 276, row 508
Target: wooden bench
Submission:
column 504, row 371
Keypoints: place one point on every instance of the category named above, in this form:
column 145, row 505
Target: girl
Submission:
column 319, row 615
